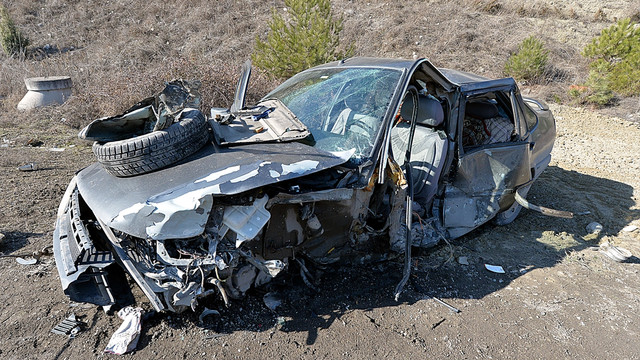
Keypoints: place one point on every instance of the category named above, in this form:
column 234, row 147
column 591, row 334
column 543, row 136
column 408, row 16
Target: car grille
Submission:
column 75, row 239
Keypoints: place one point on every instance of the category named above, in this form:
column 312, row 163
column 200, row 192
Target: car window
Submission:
column 488, row 119
column 342, row 107
column 530, row 116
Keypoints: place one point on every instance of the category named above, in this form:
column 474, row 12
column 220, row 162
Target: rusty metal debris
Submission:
column 541, row 209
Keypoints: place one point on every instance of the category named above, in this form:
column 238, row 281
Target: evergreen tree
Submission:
column 615, row 56
column 529, row 62
column 307, row 37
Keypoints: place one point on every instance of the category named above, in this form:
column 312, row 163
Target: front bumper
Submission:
column 172, row 274
column 81, row 265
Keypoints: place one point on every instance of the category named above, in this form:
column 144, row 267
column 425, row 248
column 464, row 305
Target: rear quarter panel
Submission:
column 543, row 135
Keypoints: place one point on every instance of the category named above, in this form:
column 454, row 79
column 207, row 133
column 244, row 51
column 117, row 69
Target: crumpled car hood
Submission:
column 175, row 202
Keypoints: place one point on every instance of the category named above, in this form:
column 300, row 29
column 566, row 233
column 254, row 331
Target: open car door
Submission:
column 488, row 173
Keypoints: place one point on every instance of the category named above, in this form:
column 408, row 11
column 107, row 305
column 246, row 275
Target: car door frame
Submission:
column 486, row 177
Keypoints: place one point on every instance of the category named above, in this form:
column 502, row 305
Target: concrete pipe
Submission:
column 45, row 91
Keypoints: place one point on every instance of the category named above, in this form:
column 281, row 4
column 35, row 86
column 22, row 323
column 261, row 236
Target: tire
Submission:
column 155, row 150
column 506, row 217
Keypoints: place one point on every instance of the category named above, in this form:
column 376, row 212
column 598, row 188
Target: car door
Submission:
column 492, row 161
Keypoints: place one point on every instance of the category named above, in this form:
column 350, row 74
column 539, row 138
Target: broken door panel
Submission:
column 484, row 185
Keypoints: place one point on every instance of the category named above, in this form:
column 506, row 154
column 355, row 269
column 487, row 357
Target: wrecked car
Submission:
column 356, row 160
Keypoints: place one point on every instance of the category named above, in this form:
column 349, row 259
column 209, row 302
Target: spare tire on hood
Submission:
column 157, row 149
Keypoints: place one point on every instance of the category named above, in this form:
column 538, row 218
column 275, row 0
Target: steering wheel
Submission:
column 367, row 129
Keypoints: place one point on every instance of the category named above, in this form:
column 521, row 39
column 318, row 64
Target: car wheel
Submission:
column 506, row 217
column 155, row 150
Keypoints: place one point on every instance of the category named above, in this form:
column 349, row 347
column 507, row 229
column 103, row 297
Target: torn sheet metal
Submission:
column 145, row 207
column 274, row 122
column 485, row 184
column 151, row 114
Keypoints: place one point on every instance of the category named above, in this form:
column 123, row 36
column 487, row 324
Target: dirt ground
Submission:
column 558, row 298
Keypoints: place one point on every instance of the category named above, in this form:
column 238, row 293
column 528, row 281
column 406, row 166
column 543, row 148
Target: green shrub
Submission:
column 596, row 90
column 614, row 43
column 529, row 62
column 615, row 59
column 11, row 39
column 599, row 86
column 307, row 38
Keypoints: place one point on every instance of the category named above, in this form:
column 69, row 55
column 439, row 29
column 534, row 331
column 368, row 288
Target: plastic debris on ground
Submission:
column 206, row 312
column 23, row 261
column 28, row 167
column 70, row 326
column 629, row 228
column 615, row 253
column 594, row 228
column 462, row 260
column 125, row 339
column 494, row 268
column 272, row 301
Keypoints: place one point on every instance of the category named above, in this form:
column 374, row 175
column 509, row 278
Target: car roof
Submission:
column 454, row 77
column 399, row 64
column 462, row 77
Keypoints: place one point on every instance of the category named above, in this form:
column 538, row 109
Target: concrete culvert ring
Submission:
column 43, row 91
column 155, row 150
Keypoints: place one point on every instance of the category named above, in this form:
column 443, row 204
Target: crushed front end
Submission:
column 202, row 238
column 174, row 273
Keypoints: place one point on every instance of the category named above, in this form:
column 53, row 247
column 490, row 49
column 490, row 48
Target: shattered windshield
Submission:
column 342, row 107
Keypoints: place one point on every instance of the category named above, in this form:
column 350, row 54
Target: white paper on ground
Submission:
column 494, row 268
column 126, row 337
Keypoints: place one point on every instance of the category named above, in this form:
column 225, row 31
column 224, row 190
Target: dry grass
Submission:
column 120, row 51
column 123, row 51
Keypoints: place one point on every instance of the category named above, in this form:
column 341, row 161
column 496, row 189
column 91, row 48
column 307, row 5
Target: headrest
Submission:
column 430, row 111
column 481, row 110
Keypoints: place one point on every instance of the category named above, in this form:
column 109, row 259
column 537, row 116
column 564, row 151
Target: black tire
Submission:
column 155, row 150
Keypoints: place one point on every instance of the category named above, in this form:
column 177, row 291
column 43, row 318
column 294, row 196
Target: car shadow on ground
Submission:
column 531, row 242
column 13, row 241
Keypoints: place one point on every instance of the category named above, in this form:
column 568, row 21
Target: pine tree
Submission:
column 615, row 56
column 529, row 62
column 308, row 37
